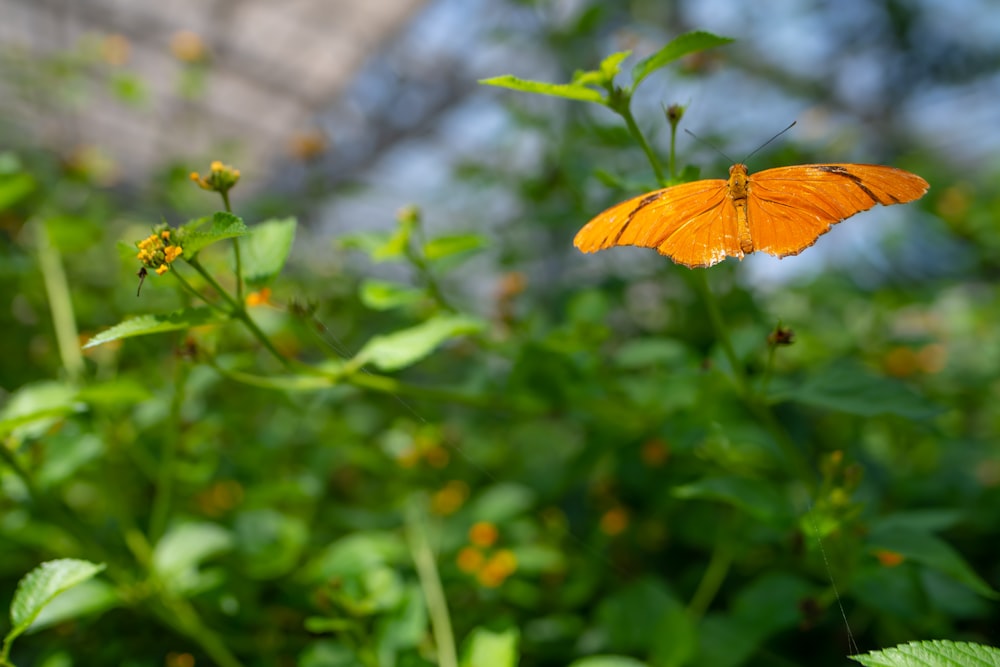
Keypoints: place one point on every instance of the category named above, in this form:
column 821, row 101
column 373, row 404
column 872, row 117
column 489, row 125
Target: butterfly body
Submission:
column 778, row 211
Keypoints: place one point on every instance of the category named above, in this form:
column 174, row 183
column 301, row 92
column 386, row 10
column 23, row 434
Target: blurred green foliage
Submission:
column 338, row 469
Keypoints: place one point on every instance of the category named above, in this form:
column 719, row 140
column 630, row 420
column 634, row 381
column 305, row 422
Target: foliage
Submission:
column 639, row 467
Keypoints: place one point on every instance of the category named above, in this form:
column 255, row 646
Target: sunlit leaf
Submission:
column 676, row 48
column 934, row 653
column 203, row 232
column 567, row 90
column 153, row 324
column 44, row 583
column 394, row 351
column 32, row 409
column 265, row 250
column 485, row 648
column 446, row 246
column 383, row 295
column 187, row 545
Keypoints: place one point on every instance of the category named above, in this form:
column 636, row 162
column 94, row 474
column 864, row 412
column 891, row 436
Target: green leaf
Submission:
column 185, row 546
column 265, row 250
column 757, row 498
column 382, row 295
column 394, row 351
column 270, row 542
column 395, row 246
column 849, row 388
column 446, row 246
column 631, row 617
column 676, row 48
column 604, row 75
column 153, row 324
column 607, row 661
column 89, row 597
column 34, row 408
column 932, row 552
column 222, row 226
column 42, row 585
column 501, row 502
column 15, row 188
column 129, row 88
column 933, row 653
column 570, row 91
column 485, row 648
column 354, row 554
column 643, row 353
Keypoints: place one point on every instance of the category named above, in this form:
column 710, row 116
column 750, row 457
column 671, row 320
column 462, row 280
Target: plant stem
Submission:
column 237, row 311
column 60, row 303
column 712, row 579
column 626, row 112
column 430, row 583
column 419, row 261
column 163, row 497
column 700, row 278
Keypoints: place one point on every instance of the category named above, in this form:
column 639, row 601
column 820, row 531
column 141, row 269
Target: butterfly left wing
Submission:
column 693, row 223
column 788, row 208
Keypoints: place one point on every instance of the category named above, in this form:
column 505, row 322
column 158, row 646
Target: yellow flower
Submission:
column 220, row 178
column 156, row 253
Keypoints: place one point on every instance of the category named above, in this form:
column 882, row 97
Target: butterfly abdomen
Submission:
column 738, row 193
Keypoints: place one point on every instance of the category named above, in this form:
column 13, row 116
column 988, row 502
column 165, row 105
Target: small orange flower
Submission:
column 497, row 568
column 448, row 499
column 470, row 560
column 115, row 49
column 483, row 534
column 437, row 456
column 654, row 453
column 261, row 297
column 614, row 521
column 187, row 46
column 889, row 558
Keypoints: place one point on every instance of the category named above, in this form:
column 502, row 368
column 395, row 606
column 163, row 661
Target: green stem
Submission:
column 430, row 583
column 163, row 498
column 626, row 112
column 180, row 615
column 60, row 303
column 418, row 261
column 236, row 250
column 239, row 312
column 700, row 278
column 711, row 580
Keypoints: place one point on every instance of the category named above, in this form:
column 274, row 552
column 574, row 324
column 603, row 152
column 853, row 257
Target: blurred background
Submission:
column 351, row 110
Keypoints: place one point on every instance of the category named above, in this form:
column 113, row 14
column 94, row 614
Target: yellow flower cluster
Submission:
column 221, row 178
column 156, row 252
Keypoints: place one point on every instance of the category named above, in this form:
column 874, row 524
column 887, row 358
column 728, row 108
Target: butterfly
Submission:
column 778, row 211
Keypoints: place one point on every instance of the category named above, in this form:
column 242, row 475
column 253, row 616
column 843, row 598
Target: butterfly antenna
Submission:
column 709, row 144
column 756, row 150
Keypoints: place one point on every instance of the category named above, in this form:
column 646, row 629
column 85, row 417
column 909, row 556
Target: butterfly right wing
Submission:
column 693, row 223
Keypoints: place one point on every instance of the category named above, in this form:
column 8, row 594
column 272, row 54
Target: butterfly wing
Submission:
column 788, row 208
column 694, row 224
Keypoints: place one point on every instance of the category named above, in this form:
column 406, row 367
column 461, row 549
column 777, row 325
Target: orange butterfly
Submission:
column 778, row 211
